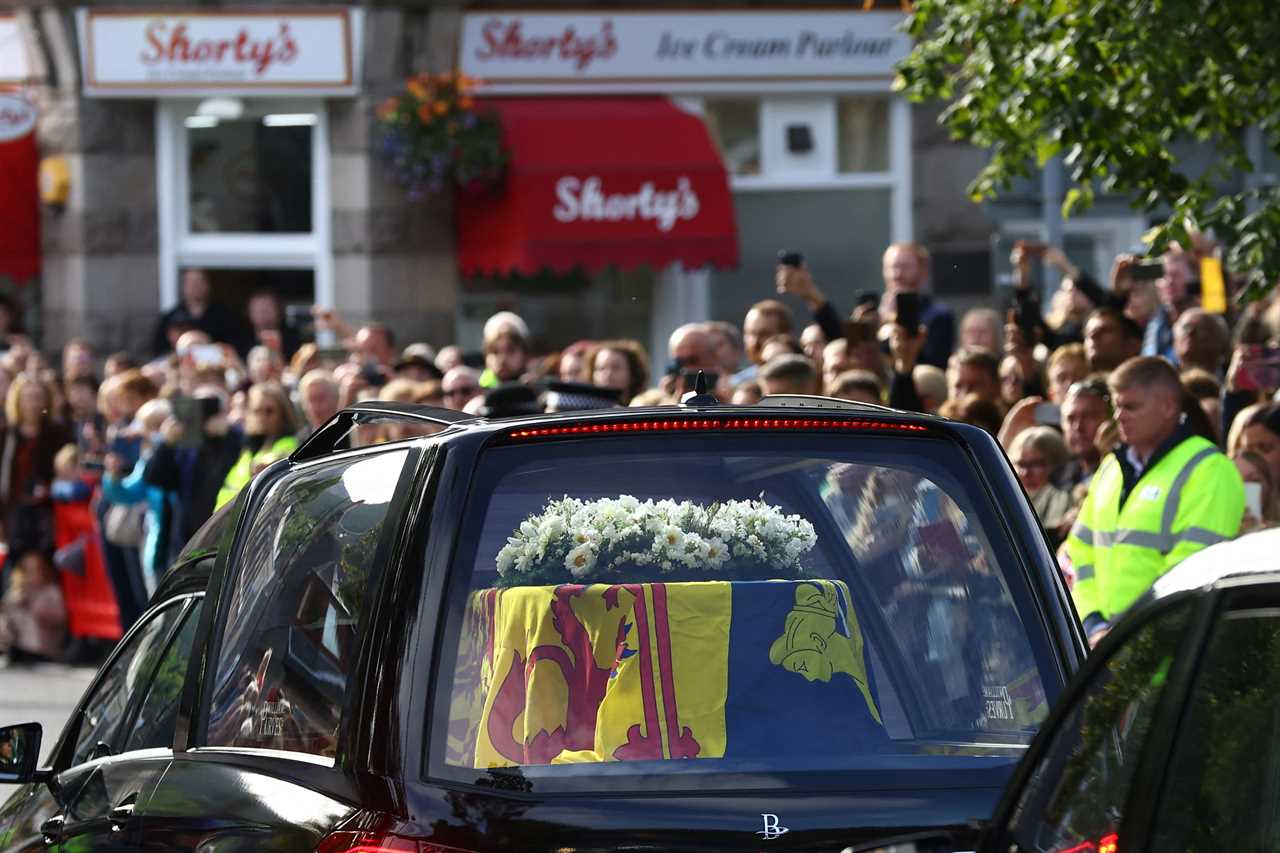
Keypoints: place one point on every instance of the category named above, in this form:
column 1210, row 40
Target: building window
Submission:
column 250, row 175
column 862, row 130
column 735, row 127
column 243, row 188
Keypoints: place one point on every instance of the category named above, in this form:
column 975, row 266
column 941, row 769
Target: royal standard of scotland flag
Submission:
column 653, row 671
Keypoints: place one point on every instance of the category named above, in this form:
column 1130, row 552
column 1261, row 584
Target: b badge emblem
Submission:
column 771, row 828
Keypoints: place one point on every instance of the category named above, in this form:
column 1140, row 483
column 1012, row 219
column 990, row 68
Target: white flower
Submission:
column 580, row 560
column 716, row 553
column 506, row 560
column 671, row 537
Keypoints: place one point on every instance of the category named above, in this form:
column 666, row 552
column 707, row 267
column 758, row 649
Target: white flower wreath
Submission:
column 575, row 540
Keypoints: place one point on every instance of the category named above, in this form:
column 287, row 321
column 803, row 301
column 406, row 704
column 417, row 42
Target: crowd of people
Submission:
column 124, row 458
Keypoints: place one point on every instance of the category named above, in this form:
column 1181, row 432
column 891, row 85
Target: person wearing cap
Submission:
column 417, row 367
column 1162, row 495
column 576, row 397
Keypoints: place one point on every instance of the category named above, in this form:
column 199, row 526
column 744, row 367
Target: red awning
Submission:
column 597, row 182
column 19, row 195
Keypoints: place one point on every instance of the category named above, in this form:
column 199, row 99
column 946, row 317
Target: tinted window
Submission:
column 130, row 671
column 295, row 601
column 209, row 534
column 1222, row 786
column 620, row 608
column 158, row 714
column 1076, row 798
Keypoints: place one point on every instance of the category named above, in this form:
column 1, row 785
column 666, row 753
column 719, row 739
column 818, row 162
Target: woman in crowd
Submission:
column 620, row 365
column 30, row 443
column 270, row 426
column 1254, row 470
column 1035, row 453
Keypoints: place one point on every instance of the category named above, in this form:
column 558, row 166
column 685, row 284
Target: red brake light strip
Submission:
column 688, row 424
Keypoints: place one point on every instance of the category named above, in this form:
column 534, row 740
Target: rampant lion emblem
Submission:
column 814, row 644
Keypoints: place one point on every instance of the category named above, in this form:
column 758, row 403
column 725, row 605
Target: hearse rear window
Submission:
column 643, row 611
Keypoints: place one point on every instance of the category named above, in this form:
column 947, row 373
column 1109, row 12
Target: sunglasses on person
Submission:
column 468, row 390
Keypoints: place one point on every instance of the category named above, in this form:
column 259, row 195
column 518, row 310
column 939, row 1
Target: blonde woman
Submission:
column 270, row 427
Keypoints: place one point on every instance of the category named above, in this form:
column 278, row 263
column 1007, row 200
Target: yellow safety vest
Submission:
column 242, row 472
column 1191, row 498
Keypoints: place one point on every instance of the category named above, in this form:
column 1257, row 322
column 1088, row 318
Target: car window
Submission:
column 157, row 715
column 1222, row 790
column 128, row 673
column 815, row 605
column 295, row 599
column 1075, row 798
column 209, row 534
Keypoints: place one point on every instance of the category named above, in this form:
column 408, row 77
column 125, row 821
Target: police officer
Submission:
column 1162, row 495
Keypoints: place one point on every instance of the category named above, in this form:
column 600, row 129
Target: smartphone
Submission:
column 867, row 297
column 1048, row 414
column 1253, row 499
column 192, row 412
column 689, row 378
column 790, row 258
column 906, row 307
column 1261, row 371
column 1147, row 270
column 331, row 355
column 207, row 355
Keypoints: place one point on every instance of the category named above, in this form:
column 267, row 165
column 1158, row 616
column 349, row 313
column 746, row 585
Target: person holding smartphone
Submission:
column 905, row 267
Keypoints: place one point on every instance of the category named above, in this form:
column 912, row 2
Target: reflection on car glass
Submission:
column 804, row 613
column 288, row 648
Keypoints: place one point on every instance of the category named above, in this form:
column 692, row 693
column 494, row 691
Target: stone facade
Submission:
column 393, row 260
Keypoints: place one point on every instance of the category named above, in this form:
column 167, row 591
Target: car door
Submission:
column 263, row 762
column 112, row 753
column 1166, row 742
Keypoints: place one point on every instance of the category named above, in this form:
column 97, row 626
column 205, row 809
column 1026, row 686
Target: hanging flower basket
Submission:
column 435, row 137
column 625, row 540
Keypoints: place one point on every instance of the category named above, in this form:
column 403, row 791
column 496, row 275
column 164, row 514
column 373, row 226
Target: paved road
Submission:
column 43, row 693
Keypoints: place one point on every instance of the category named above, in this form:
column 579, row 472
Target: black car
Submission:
column 802, row 625
column 1167, row 739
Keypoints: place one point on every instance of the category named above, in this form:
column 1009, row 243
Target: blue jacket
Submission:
column 1158, row 337
column 161, row 506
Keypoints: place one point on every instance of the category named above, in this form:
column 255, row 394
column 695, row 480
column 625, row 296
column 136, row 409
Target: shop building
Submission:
column 669, row 151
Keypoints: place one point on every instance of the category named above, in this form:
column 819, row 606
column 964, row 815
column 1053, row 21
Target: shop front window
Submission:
column 862, row 128
column 735, row 127
column 243, row 193
column 250, row 175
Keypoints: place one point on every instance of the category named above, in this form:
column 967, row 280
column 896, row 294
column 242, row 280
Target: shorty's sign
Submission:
column 181, row 53
column 17, row 117
column 513, row 51
column 588, row 200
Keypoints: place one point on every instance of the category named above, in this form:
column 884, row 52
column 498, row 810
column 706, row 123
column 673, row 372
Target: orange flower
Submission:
column 441, row 108
column 465, row 83
column 387, row 108
column 466, row 102
column 425, row 114
column 417, row 90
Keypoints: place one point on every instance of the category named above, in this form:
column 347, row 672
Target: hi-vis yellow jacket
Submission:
column 1190, row 498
